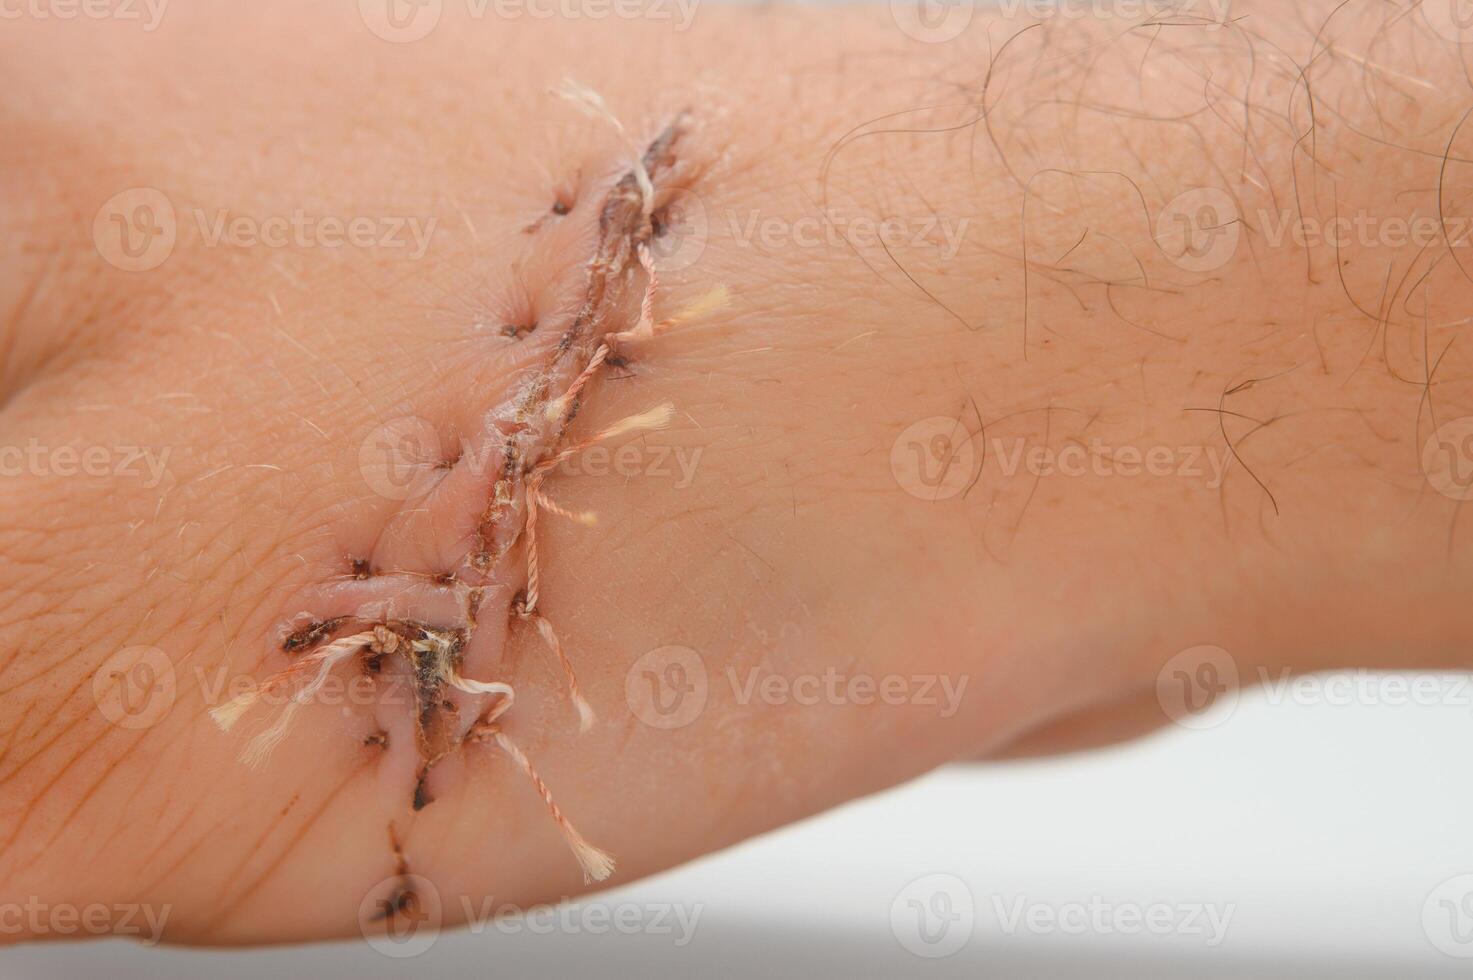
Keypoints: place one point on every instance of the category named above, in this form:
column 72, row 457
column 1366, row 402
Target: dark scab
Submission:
column 404, row 900
column 401, row 901
column 562, row 206
column 361, row 569
column 516, row 331
column 311, row 634
column 379, row 738
column 422, row 797
column 660, row 223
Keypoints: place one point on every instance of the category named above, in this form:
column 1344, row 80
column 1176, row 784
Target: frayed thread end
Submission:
column 258, row 750
column 650, row 419
column 227, row 714
column 597, row 864
column 586, row 717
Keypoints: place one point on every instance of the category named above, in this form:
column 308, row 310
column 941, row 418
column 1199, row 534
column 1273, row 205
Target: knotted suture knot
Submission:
column 385, row 641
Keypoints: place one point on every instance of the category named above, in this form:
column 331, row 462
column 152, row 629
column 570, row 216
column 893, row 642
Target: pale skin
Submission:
column 1028, row 290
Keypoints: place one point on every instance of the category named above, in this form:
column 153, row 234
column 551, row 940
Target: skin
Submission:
column 803, row 540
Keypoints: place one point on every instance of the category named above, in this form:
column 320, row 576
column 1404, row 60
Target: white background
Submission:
column 1323, row 826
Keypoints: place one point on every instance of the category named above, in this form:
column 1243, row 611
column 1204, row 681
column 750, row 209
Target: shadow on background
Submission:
column 733, row 948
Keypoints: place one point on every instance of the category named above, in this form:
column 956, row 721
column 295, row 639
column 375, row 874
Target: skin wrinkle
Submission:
column 63, row 770
column 81, row 716
column 19, row 767
column 62, row 824
column 163, row 808
column 20, row 862
column 309, row 822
